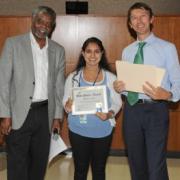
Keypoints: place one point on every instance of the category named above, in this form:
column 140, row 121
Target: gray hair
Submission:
column 45, row 10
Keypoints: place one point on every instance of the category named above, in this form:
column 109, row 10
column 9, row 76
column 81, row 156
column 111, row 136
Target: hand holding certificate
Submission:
column 136, row 75
column 89, row 100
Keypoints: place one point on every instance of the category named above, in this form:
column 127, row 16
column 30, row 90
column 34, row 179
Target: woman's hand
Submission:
column 68, row 105
column 105, row 116
column 119, row 86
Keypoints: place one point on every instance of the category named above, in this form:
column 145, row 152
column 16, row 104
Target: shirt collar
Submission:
column 148, row 39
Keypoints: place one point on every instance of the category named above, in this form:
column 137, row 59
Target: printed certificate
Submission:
column 89, row 100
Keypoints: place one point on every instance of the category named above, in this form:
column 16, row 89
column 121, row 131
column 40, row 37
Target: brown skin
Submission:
column 5, row 125
column 41, row 27
column 140, row 21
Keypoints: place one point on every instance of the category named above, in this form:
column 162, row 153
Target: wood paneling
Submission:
column 71, row 31
column 11, row 26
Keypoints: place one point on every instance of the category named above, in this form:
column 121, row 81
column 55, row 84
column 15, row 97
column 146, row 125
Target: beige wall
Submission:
column 100, row 7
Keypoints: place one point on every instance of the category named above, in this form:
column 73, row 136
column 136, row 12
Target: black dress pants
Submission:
column 28, row 147
column 145, row 128
column 87, row 151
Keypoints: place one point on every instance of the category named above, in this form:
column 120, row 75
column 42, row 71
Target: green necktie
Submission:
column 132, row 97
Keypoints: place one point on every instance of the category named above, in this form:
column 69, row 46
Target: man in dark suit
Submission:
column 31, row 91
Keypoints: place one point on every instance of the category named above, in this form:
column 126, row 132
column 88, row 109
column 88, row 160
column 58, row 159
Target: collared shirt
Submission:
column 159, row 53
column 40, row 60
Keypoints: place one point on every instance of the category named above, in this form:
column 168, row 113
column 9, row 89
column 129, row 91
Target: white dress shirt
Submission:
column 40, row 60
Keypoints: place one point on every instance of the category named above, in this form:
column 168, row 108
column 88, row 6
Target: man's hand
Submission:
column 56, row 125
column 119, row 86
column 5, row 125
column 156, row 93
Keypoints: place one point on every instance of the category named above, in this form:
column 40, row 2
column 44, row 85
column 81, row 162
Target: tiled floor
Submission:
column 117, row 168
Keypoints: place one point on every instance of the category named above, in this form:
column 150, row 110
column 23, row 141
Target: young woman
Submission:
column 91, row 134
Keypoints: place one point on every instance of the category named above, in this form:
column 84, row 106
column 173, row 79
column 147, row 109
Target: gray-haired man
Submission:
column 31, row 90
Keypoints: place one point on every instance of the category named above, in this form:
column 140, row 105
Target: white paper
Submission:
column 89, row 100
column 135, row 75
column 56, row 146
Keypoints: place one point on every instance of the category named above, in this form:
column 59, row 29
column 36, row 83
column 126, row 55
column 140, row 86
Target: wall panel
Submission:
column 71, row 31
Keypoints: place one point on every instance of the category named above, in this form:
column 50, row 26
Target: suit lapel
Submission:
column 29, row 55
column 51, row 62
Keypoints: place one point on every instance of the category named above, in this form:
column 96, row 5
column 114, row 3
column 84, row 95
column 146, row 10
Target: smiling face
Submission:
column 141, row 21
column 92, row 55
column 42, row 25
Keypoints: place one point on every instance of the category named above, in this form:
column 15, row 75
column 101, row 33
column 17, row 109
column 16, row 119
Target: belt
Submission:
column 145, row 101
column 148, row 101
column 38, row 104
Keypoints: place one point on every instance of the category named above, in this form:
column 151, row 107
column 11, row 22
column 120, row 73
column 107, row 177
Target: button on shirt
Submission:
column 40, row 60
column 159, row 53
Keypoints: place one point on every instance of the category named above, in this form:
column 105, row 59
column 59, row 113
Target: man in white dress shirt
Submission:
column 31, row 91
